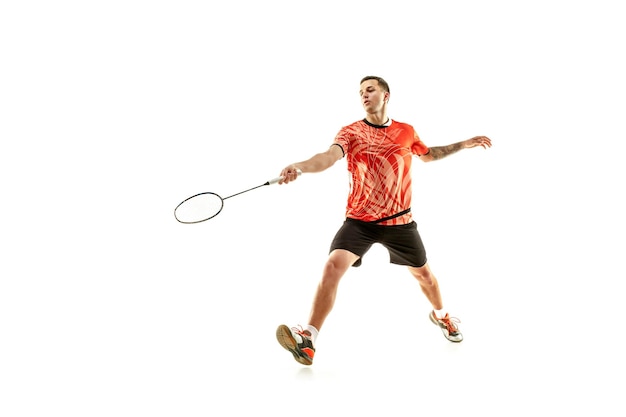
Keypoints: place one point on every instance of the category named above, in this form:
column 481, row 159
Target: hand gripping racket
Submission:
column 204, row 206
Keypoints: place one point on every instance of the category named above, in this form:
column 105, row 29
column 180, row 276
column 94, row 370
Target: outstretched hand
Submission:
column 483, row 141
column 289, row 173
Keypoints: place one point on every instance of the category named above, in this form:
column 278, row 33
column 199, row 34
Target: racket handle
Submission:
column 275, row 180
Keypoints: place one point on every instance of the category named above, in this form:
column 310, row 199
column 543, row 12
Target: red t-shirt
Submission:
column 379, row 161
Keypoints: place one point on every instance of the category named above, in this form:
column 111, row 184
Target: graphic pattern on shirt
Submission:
column 379, row 162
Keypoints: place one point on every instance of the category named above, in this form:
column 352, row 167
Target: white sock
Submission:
column 440, row 313
column 314, row 332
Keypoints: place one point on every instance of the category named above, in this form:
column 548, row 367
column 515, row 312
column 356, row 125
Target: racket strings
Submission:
column 199, row 208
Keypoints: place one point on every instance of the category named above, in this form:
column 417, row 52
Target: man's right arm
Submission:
column 317, row 163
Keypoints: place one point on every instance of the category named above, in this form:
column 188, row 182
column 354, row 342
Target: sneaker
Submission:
column 298, row 342
column 448, row 326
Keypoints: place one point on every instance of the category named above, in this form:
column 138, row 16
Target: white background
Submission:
column 112, row 112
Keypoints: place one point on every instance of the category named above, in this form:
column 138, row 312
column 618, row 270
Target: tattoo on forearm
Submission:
column 439, row 152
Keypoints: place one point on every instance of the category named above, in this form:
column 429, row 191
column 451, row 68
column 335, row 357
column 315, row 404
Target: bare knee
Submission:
column 337, row 265
column 423, row 275
column 332, row 272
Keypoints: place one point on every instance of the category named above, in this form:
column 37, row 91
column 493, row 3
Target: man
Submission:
column 379, row 153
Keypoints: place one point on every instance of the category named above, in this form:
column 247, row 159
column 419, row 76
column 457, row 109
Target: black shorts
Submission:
column 403, row 241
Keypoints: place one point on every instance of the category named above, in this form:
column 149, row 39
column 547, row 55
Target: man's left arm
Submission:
column 438, row 152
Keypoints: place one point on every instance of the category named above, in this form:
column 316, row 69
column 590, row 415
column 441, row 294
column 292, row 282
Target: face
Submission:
column 373, row 97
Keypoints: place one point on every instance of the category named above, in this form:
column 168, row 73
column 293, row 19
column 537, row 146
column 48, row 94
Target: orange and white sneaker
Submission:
column 298, row 342
column 448, row 326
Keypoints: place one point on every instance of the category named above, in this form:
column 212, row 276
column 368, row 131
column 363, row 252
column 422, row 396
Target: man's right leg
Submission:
column 339, row 261
column 299, row 341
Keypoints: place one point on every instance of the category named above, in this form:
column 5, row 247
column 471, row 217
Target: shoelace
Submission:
column 448, row 322
column 301, row 331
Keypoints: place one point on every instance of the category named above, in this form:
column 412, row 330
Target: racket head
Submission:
column 199, row 208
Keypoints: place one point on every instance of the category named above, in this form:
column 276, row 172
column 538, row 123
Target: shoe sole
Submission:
column 436, row 323
column 288, row 342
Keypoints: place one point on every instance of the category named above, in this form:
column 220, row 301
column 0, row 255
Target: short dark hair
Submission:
column 381, row 82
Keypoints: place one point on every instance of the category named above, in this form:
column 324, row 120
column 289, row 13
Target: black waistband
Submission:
column 393, row 216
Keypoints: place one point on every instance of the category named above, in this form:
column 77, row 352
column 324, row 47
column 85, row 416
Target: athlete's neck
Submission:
column 377, row 119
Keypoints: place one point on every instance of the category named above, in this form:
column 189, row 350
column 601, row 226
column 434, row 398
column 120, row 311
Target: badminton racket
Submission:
column 204, row 206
